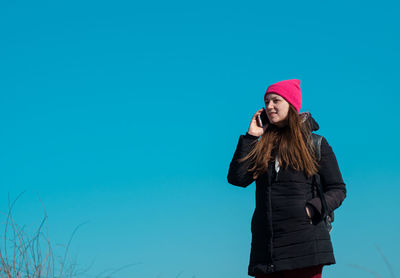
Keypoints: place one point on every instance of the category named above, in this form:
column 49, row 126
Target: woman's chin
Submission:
column 278, row 123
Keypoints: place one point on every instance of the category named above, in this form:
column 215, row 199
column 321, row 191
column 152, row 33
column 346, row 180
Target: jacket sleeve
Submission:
column 238, row 174
column 331, row 180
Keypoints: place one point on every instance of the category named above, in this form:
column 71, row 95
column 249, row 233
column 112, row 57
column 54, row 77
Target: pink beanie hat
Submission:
column 289, row 90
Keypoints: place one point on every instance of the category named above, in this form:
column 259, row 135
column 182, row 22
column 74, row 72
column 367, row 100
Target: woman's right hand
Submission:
column 255, row 127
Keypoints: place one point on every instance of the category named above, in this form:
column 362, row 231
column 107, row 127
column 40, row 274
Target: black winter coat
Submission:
column 282, row 236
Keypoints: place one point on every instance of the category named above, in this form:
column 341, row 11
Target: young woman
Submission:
column 289, row 236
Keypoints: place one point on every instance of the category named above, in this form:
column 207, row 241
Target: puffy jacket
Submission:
column 283, row 237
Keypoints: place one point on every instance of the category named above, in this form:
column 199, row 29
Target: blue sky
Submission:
column 125, row 115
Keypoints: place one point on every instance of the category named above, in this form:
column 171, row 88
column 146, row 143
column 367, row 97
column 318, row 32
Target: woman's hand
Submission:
column 255, row 127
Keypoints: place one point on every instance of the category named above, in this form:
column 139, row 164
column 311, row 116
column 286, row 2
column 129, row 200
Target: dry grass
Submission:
column 372, row 272
column 24, row 255
column 31, row 255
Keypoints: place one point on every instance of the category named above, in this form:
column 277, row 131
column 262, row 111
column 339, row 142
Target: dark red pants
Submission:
column 307, row 272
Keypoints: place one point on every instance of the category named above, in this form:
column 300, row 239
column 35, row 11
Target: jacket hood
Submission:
column 308, row 119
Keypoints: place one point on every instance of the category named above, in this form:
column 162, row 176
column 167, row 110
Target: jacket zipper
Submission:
column 270, row 265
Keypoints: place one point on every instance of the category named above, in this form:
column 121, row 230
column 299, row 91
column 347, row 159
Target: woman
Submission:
column 289, row 238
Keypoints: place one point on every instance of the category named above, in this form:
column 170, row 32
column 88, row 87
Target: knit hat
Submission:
column 289, row 90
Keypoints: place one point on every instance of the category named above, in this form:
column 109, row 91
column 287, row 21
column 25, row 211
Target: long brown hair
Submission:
column 292, row 143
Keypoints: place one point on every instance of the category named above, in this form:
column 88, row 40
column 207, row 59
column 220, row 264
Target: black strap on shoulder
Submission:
column 317, row 139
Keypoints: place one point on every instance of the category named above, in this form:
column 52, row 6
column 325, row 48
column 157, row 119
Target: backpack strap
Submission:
column 317, row 139
column 326, row 214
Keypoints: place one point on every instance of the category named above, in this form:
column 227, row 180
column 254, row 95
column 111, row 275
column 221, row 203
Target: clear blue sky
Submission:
column 126, row 114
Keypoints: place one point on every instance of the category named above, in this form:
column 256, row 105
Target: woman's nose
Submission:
column 269, row 105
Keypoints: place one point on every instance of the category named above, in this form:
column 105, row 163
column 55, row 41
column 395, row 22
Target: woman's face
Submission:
column 277, row 109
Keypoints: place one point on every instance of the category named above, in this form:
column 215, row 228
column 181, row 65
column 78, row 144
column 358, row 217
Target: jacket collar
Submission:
column 308, row 119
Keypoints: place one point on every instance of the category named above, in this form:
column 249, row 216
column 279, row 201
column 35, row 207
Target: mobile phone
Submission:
column 263, row 118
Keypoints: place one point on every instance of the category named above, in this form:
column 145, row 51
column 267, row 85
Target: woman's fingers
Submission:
column 255, row 127
column 257, row 113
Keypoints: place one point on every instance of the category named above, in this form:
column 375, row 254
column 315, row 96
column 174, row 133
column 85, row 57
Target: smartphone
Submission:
column 263, row 118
